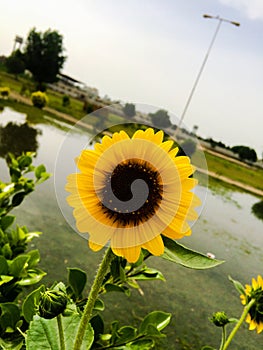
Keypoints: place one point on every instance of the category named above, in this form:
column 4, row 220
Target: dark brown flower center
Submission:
column 132, row 192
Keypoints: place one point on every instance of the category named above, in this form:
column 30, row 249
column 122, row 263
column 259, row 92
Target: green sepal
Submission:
column 239, row 287
column 186, row 257
column 30, row 304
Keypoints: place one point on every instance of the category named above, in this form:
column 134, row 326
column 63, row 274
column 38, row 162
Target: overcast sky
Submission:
column 150, row 51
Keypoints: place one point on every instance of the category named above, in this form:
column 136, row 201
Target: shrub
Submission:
column 188, row 147
column 4, row 92
column 39, row 99
column 65, row 101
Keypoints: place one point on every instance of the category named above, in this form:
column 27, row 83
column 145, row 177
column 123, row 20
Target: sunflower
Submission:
column 129, row 191
column 255, row 314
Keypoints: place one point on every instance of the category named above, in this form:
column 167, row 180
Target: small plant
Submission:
column 39, row 99
column 65, row 101
column 18, row 264
column 4, row 92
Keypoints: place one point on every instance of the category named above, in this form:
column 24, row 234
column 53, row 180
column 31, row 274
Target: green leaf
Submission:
column 152, row 331
column 44, row 177
column 5, row 279
column 18, row 265
column 141, row 344
column 99, row 305
column 18, row 199
column 3, row 266
column 206, row 347
column 24, row 162
column 39, row 170
column 7, row 251
column 117, row 271
column 239, row 287
column 109, row 287
column 43, row 333
column 97, row 324
column 77, row 280
column 158, row 319
column 33, row 276
column 10, row 316
column 126, row 334
column 30, row 304
column 34, row 258
column 7, row 221
column 148, row 274
column 15, row 174
column 186, row 257
column 15, row 344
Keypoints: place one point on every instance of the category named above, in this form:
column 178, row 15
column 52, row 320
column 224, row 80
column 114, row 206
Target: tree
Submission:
column 245, row 153
column 129, row 110
column 15, row 63
column 160, row 118
column 44, row 55
column 188, row 147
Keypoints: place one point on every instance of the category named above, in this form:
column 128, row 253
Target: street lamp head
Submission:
column 235, row 23
column 207, row 16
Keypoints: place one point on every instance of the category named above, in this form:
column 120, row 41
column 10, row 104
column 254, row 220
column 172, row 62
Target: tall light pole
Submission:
column 220, row 20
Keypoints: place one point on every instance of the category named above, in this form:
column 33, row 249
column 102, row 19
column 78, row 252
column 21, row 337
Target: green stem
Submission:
column 223, row 337
column 240, row 321
column 93, row 294
column 61, row 333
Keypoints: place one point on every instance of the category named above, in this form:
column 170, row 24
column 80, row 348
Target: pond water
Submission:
column 226, row 228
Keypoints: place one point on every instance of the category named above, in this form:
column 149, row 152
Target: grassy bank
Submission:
column 248, row 176
column 55, row 99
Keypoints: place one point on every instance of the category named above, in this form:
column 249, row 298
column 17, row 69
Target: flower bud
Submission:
column 52, row 303
column 220, row 319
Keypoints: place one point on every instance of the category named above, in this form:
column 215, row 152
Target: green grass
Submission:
column 75, row 109
column 234, row 171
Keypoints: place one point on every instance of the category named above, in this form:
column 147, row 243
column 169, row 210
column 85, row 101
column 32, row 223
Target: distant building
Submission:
column 74, row 88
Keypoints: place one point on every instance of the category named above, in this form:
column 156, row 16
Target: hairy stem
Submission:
column 61, row 333
column 93, row 294
column 237, row 326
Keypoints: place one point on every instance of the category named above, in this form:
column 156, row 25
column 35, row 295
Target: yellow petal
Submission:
column 166, row 146
column 260, row 327
column 155, row 246
column 248, row 318
column 260, row 281
column 95, row 247
column 131, row 254
column 252, row 325
column 254, row 283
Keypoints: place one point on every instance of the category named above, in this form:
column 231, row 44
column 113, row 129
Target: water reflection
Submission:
column 17, row 139
column 226, row 229
column 257, row 210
